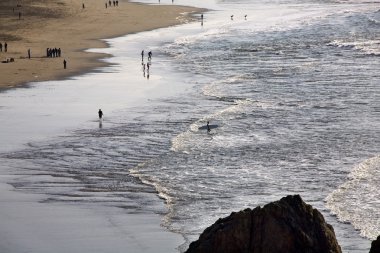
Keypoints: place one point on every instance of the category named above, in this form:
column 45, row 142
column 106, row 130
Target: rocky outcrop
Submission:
column 375, row 246
column 287, row 225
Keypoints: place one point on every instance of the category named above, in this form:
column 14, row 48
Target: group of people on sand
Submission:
column 53, row 52
column 115, row 3
column 146, row 67
column 5, row 47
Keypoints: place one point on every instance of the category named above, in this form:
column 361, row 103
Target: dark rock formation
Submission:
column 287, row 225
column 375, row 246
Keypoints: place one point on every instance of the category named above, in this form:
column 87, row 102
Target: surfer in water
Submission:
column 100, row 113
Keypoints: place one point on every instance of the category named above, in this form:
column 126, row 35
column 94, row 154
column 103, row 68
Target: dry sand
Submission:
column 67, row 25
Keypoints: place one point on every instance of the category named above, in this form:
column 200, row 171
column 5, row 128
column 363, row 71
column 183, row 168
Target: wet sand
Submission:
column 65, row 24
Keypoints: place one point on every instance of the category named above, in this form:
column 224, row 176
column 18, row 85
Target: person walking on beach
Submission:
column 100, row 113
column 142, row 55
column 29, row 53
column 64, row 63
column 149, row 55
column 5, row 47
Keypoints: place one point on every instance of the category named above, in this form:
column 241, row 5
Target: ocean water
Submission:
column 294, row 90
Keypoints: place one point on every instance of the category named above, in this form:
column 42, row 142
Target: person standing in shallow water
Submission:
column 100, row 113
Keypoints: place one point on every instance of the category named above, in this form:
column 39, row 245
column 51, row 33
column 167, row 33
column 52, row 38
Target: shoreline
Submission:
column 32, row 224
column 97, row 23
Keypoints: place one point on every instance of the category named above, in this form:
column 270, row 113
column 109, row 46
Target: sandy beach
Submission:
column 29, row 223
column 72, row 26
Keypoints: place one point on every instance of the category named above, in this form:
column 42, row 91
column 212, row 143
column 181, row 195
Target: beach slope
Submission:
column 72, row 26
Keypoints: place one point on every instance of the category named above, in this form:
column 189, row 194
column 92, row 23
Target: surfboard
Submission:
column 205, row 127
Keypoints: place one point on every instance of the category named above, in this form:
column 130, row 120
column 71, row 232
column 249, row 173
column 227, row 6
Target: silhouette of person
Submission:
column 5, row 47
column 208, row 127
column 100, row 113
column 64, row 63
column 1, row 47
column 245, row 17
column 29, row 53
column 232, row 17
column 150, row 55
column 142, row 55
column 82, row 6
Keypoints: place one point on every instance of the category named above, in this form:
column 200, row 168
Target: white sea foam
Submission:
column 370, row 47
column 358, row 200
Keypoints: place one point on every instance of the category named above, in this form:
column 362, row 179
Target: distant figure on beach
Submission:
column 142, row 55
column 82, row 6
column 150, row 55
column 117, row 3
column 106, row 5
column 1, row 47
column 109, row 3
column 245, row 17
column 100, row 113
column 64, row 63
column 5, row 47
column 172, row 1
column 208, row 126
column 147, row 66
column 232, row 17
column 29, row 53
